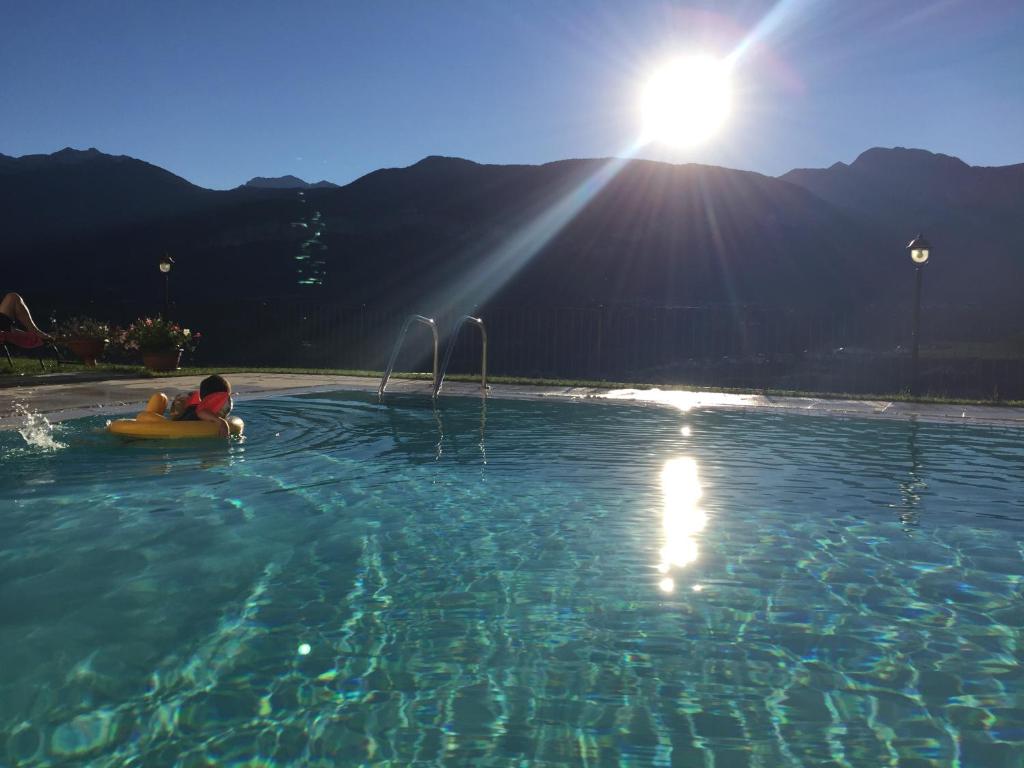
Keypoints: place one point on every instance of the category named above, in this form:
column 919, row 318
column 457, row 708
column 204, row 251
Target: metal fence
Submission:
column 966, row 351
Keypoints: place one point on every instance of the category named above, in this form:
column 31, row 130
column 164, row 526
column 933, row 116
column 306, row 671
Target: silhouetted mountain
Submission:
column 451, row 233
column 286, row 182
column 973, row 216
column 889, row 183
column 73, row 193
column 654, row 234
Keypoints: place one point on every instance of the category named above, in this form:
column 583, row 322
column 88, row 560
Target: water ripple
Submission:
column 485, row 584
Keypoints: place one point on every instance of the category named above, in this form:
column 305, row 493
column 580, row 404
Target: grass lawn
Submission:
column 26, row 371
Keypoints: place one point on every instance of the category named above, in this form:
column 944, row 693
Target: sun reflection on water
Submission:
column 682, row 519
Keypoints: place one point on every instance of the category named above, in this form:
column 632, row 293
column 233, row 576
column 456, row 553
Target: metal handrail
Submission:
column 398, row 345
column 439, row 380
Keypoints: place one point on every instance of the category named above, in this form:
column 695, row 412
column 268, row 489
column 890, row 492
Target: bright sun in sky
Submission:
column 687, row 101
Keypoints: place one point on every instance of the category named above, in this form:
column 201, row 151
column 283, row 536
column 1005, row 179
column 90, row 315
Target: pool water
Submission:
column 515, row 584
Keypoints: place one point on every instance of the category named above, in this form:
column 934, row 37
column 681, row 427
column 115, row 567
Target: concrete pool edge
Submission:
column 117, row 396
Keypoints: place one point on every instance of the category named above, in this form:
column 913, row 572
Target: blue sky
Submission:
column 218, row 92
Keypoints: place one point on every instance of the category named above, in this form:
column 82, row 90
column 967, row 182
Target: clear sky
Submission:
column 220, row 91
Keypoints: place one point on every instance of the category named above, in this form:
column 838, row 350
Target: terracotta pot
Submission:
column 86, row 350
column 163, row 360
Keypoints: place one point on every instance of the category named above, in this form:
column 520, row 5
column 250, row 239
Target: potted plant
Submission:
column 160, row 341
column 85, row 337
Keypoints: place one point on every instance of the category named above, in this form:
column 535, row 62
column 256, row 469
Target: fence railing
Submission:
column 966, row 351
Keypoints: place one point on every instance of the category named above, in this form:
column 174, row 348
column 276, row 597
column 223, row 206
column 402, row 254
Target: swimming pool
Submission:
column 526, row 583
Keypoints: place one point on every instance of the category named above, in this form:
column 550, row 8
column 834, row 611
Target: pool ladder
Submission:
column 439, row 373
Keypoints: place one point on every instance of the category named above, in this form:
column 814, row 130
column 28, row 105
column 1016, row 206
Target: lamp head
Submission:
column 920, row 249
column 166, row 263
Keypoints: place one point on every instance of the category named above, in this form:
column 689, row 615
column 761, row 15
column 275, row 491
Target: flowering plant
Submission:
column 82, row 328
column 154, row 334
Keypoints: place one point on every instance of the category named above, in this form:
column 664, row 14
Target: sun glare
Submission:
column 687, row 101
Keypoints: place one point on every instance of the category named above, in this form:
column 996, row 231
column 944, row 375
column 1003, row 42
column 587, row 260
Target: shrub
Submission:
column 75, row 328
column 154, row 334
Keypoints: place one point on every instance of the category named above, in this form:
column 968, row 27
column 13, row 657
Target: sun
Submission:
column 687, row 101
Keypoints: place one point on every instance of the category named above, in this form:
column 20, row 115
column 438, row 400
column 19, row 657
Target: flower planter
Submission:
column 163, row 360
column 86, row 350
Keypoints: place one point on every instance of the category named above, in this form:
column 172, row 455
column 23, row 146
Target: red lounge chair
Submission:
column 26, row 340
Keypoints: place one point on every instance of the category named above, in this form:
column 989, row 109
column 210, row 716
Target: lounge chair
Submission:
column 11, row 336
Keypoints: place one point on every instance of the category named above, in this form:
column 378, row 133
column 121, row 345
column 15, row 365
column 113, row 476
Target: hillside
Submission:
column 447, row 233
column 75, row 193
column 974, row 216
column 287, row 182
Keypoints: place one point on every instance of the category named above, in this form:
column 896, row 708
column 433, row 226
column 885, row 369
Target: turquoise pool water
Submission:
column 534, row 584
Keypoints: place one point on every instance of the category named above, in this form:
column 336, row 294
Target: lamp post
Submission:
column 165, row 267
column 920, row 249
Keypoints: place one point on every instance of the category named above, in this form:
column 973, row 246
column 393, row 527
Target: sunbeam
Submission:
column 482, row 281
column 768, row 25
column 671, row 117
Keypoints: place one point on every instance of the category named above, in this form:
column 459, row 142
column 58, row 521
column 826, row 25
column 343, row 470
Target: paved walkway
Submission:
column 74, row 399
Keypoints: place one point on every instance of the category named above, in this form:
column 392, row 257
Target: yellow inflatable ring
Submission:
column 152, row 424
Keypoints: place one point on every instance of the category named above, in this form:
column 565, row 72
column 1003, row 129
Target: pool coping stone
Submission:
column 120, row 395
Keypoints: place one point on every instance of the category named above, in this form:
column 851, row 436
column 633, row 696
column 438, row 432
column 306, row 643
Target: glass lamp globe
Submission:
column 165, row 265
column 920, row 250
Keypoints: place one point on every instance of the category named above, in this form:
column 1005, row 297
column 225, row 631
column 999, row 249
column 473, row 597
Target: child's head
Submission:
column 215, row 383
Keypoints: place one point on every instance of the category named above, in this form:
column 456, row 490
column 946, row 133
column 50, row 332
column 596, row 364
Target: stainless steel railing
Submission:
column 439, row 377
column 429, row 322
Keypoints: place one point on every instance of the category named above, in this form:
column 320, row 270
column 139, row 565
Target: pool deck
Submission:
column 66, row 398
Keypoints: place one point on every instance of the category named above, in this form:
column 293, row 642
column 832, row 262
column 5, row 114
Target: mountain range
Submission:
column 287, row 182
column 448, row 233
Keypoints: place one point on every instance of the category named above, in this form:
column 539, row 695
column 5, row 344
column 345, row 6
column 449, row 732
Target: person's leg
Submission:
column 14, row 306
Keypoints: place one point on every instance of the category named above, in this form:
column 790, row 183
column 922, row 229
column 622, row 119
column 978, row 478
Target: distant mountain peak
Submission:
column 277, row 182
column 69, row 157
column 433, row 158
column 72, row 152
column 434, row 161
column 72, row 156
column 286, row 182
column 905, row 157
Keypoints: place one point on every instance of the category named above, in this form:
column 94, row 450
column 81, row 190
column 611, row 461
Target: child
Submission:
column 211, row 403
